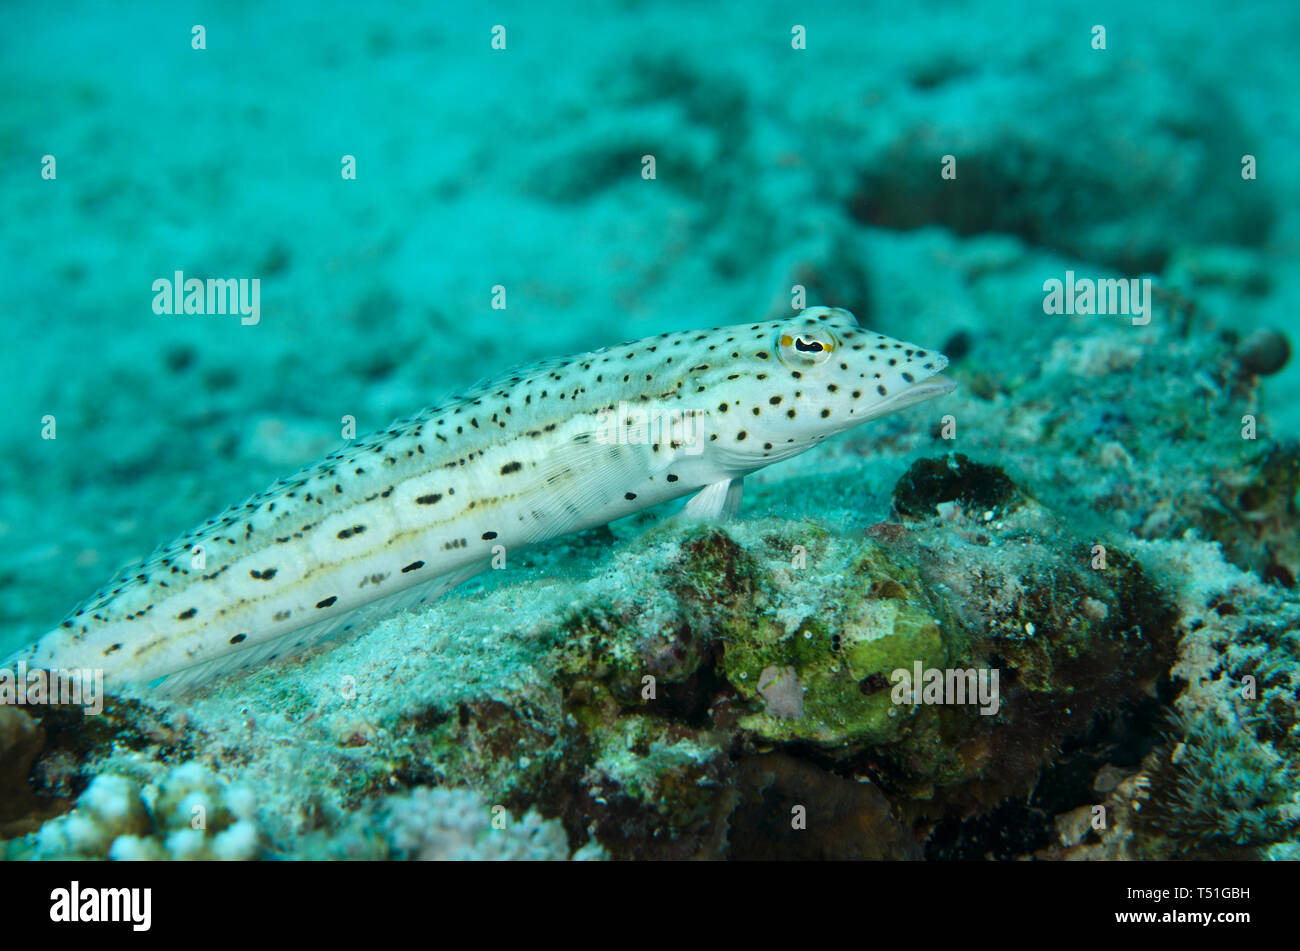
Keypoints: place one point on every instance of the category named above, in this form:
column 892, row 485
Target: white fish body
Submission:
column 539, row 452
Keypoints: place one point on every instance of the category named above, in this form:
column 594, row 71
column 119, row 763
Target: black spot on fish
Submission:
column 510, row 467
column 354, row 530
column 428, row 499
column 238, row 638
column 413, row 566
column 187, row 614
column 327, row 602
column 266, row 574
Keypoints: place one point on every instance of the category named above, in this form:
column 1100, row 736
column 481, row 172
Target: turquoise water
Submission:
column 390, row 179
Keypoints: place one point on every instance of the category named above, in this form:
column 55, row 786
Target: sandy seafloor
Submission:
column 775, row 167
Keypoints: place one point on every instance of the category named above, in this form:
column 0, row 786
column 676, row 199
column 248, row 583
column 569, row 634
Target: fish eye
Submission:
column 808, row 347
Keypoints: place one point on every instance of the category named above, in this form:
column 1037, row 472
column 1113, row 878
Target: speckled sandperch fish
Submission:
column 409, row 512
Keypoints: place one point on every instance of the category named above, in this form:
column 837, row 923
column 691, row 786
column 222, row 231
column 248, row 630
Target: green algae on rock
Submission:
column 841, row 658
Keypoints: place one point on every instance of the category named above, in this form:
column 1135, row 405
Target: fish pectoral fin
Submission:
column 581, row 476
column 719, row 501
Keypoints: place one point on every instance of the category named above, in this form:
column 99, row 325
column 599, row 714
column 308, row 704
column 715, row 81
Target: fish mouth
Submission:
column 927, row 389
column 918, row 392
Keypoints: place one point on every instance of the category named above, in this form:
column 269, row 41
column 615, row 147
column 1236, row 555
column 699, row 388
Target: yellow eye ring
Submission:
column 805, row 348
